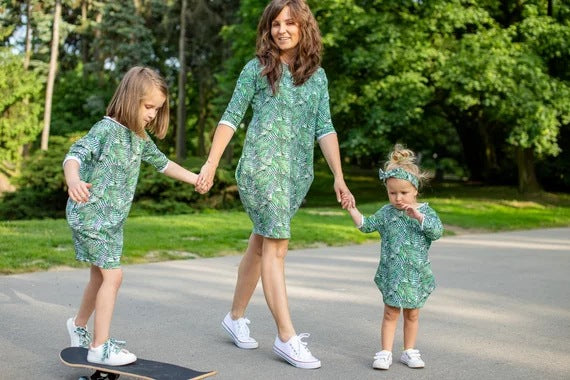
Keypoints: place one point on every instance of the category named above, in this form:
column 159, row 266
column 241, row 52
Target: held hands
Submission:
column 205, row 179
column 343, row 195
column 79, row 191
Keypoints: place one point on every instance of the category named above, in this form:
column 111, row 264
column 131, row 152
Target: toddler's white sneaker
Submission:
column 78, row 335
column 295, row 351
column 382, row 360
column 110, row 353
column 239, row 332
column 412, row 358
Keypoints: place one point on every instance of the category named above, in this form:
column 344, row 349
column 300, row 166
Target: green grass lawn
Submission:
column 46, row 244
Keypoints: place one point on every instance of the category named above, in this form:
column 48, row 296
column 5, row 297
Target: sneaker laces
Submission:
column 113, row 345
column 299, row 346
column 85, row 337
column 242, row 329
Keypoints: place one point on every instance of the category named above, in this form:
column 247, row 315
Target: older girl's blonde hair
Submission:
column 308, row 51
column 405, row 159
column 125, row 104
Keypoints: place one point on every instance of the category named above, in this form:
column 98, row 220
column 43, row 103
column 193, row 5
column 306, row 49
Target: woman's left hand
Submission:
column 343, row 195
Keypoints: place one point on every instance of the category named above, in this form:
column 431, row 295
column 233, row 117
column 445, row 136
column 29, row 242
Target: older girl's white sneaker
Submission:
column 110, row 353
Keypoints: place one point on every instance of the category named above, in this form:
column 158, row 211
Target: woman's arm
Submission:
column 329, row 147
column 222, row 138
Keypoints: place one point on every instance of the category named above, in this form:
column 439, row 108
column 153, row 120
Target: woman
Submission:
column 287, row 90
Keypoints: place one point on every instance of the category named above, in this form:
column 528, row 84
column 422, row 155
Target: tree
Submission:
column 19, row 109
column 181, row 109
column 51, row 75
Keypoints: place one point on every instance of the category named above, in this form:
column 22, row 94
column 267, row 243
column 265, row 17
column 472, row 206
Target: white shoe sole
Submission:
column 237, row 342
column 381, row 366
column 123, row 362
column 413, row 366
column 296, row 363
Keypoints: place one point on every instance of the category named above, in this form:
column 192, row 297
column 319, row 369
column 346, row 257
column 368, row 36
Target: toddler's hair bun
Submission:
column 401, row 156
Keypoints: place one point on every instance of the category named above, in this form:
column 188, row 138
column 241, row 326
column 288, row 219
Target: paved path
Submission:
column 501, row 311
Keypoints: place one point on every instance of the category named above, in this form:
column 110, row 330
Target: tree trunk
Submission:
column 25, row 150
column 28, row 54
column 84, row 38
column 550, row 10
column 202, row 113
column 181, row 150
column 51, row 75
column 527, row 175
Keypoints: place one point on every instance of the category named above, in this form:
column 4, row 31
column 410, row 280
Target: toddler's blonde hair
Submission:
column 405, row 159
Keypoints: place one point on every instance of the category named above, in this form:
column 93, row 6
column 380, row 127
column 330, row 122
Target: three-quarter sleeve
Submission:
column 89, row 147
column 241, row 98
column 432, row 226
column 372, row 223
column 152, row 155
column 324, row 120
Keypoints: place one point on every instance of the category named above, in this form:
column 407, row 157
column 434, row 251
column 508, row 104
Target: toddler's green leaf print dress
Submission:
column 404, row 273
column 275, row 170
column 110, row 156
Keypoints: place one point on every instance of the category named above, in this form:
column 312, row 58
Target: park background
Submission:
column 480, row 89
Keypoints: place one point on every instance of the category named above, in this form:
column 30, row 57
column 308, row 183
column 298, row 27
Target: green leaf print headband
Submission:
column 400, row 174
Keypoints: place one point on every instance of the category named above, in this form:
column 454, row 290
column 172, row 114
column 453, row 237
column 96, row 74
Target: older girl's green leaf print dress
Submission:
column 275, row 170
column 404, row 273
column 110, row 157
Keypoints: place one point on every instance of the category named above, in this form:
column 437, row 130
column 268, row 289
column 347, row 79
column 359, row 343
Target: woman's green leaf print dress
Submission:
column 275, row 170
column 110, row 156
column 404, row 274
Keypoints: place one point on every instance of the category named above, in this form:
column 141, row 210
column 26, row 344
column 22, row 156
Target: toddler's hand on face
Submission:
column 412, row 212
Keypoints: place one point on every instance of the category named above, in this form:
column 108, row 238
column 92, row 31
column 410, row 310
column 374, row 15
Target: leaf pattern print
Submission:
column 404, row 274
column 275, row 170
column 110, row 156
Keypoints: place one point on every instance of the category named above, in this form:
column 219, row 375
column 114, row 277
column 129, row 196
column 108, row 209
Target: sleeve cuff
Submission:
column 361, row 222
column 225, row 122
column 71, row 158
column 326, row 134
column 165, row 167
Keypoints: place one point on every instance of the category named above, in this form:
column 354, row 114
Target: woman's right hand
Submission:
column 205, row 179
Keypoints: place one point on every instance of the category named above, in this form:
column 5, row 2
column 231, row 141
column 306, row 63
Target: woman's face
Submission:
column 285, row 32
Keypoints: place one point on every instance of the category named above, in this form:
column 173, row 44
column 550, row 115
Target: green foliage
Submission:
column 123, row 39
column 42, row 192
column 19, row 107
column 78, row 101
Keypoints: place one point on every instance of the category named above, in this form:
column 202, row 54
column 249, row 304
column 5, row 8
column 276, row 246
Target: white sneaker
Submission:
column 79, row 336
column 110, row 353
column 412, row 358
column 239, row 332
column 382, row 360
column 295, row 351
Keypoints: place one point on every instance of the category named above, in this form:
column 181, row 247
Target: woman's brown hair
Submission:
column 308, row 51
column 125, row 104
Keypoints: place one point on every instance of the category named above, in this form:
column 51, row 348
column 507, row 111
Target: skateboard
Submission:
column 141, row 369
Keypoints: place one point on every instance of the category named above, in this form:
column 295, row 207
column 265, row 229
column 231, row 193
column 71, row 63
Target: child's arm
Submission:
column 173, row 170
column 356, row 215
column 77, row 189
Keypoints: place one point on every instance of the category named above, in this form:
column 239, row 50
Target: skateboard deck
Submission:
column 141, row 369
